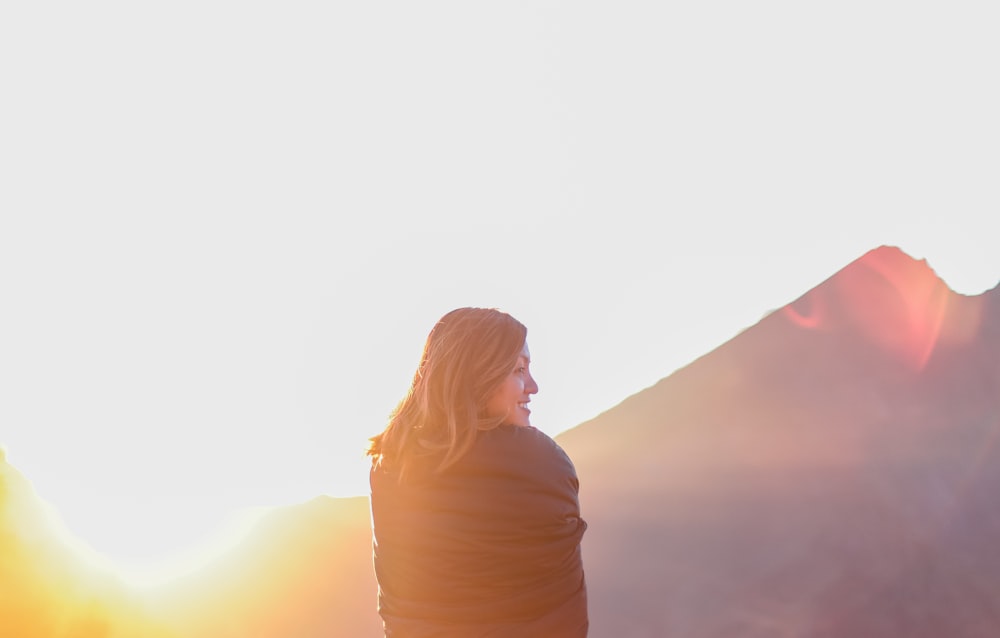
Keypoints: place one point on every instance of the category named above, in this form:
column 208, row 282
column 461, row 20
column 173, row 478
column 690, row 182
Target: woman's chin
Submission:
column 520, row 418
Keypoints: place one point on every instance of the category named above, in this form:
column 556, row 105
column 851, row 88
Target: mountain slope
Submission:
column 827, row 472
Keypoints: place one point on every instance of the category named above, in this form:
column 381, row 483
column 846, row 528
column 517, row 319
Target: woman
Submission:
column 475, row 514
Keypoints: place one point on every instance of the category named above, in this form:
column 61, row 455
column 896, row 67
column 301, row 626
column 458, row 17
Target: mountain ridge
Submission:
column 883, row 254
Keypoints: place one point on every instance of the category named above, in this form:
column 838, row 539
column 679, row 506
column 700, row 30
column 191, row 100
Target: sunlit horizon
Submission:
column 210, row 529
column 227, row 229
column 141, row 570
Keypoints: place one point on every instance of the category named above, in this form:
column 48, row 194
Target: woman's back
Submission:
column 488, row 547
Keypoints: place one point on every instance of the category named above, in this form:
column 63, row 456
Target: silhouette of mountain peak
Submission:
column 895, row 259
column 893, row 302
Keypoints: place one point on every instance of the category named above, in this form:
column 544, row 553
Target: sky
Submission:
column 226, row 228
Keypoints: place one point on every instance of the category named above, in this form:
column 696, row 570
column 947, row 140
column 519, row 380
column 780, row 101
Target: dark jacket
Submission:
column 488, row 548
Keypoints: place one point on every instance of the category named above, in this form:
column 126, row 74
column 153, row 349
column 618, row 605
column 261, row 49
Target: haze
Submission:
column 227, row 228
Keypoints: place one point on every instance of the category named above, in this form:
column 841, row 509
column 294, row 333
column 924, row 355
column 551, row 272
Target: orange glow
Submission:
column 52, row 587
column 286, row 571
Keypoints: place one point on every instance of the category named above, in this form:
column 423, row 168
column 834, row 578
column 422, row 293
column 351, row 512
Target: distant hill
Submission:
column 830, row 471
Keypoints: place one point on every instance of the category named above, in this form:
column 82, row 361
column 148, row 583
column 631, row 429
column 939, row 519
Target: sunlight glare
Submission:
column 153, row 570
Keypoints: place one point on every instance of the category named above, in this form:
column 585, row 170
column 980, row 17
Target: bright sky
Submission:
column 227, row 227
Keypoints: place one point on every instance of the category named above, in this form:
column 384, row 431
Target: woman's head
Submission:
column 467, row 381
column 509, row 402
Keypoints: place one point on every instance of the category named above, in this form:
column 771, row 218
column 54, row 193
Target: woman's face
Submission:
column 510, row 400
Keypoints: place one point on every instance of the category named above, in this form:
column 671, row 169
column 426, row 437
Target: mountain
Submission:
column 830, row 471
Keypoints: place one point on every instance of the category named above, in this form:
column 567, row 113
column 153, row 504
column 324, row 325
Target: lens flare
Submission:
column 895, row 302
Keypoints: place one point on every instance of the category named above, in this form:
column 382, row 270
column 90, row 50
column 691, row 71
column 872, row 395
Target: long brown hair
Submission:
column 468, row 354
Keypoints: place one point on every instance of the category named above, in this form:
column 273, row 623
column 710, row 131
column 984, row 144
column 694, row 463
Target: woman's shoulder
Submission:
column 527, row 439
column 521, row 446
column 507, row 453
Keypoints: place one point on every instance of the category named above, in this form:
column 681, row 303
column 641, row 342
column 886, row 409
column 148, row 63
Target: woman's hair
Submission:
column 467, row 356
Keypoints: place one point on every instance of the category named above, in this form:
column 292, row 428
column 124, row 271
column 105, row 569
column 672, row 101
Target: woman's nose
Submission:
column 532, row 386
